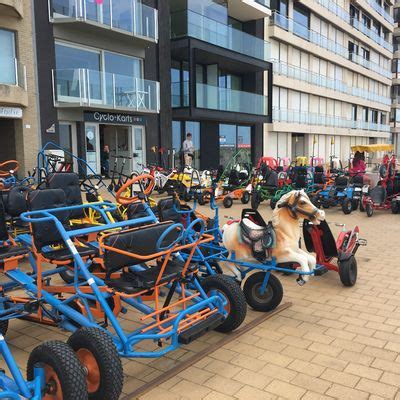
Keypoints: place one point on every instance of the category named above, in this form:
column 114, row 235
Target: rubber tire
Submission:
column 395, row 207
column 66, row 365
column 228, row 202
column 67, row 276
column 274, row 284
column 348, row 271
column 255, row 200
column 354, row 204
column 245, row 197
column 272, row 204
column 187, row 197
column 4, row 327
column 200, row 199
column 235, row 296
column 160, row 191
column 347, row 206
column 362, row 209
column 103, row 349
column 369, row 210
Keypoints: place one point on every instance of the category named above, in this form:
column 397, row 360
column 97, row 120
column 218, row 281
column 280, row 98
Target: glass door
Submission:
column 92, row 148
column 138, row 148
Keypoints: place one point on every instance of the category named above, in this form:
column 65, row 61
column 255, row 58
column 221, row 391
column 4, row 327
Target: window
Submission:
column 365, row 53
column 366, row 21
column 7, row 59
column 365, row 114
column 231, row 139
column 374, row 116
column 396, row 15
column 376, row 27
column 354, row 112
column 180, row 83
column 354, row 14
column 301, row 19
column 283, row 7
column 353, row 50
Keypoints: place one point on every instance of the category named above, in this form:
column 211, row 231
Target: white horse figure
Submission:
column 291, row 208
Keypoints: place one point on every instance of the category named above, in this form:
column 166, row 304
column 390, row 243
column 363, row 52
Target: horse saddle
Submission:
column 261, row 238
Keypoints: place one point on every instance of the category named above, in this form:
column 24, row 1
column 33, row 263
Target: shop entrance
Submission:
column 7, row 148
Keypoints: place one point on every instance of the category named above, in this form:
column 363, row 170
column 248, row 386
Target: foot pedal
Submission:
column 362, row 242
column 300, row 281
column 197, row 330
column 320, row 270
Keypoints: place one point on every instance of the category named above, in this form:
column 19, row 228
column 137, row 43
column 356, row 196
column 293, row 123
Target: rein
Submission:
column 294, row 209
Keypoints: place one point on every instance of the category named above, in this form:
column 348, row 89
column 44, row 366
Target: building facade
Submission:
column 18, row 105
column 332, row 77
column 99, row 71
column 395, row 115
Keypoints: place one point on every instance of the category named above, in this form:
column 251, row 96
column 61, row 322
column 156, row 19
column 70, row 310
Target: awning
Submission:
column 370, row 148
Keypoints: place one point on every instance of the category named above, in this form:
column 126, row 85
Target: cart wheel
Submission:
column 64, row 375
column 348, row 271
column 394, row 205
column 187, row 196
column 160, row 190
column 228, row 202
column 99, row 357
column 236, row 302
column 272, row 203
column 255, row 200
column 347, row 206
column 4, row 327
column 200, row 199
column 369, row 209
column 354, row 204
column 245, row 197
column 67, row 276
column 263, row 302
column 362, row 209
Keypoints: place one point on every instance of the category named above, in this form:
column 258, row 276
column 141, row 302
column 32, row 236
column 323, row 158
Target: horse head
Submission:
column 299, row 206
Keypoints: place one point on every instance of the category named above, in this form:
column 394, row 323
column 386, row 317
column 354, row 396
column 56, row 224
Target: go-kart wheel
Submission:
column 362, row 209
column 267, row 301
column 272, row 203
column 186, row 196
column 160, row 190
column 3, row 327
column 354, row 204
column 64, row 376
column 348, row 271
column 255, row 200
column 236, row 302
column 228, row 202
column 395, row 206
column 67, row 276
column 99, row 358
column 245, row 197
column 201, row 199
column 347, row 206
column 369, row 209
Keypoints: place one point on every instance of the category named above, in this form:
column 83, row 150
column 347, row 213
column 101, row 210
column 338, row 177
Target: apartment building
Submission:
column 220, row 78
column 18, row 112
column 98, row 73
column 332, row 77
column 395, row 114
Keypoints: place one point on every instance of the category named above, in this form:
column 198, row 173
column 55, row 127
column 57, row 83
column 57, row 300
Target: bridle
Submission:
column 294, row 208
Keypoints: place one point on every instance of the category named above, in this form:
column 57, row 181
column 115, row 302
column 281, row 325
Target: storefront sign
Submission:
column 10, row 112
column 113, row 118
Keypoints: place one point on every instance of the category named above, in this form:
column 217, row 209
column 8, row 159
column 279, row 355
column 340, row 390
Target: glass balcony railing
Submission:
column 301, row 74
column 222, row 99
column 88, row 88
column 127, row 16
column 189, row 23
column 328, row 44
column 12, row 73
column 265, row 3
column 307, row 118
column 345, row 16
column 381, row 11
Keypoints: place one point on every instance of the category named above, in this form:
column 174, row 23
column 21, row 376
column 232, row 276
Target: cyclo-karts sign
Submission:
column 113, row 118
column 10, row 112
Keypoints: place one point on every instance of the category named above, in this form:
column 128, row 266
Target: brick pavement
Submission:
column 334, row 342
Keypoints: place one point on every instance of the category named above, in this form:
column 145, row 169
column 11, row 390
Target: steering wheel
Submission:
column 91, row 184
column 8, row 168
column 146, row 189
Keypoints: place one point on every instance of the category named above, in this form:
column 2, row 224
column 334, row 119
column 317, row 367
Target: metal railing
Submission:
column 189, row 23
column 345, row 16
column 222, row 99
column 12, row 73
column 328, row 44
column 291, row 71
column 89, row 88
column 308, row 118
column 381, row 11
column 130, row 17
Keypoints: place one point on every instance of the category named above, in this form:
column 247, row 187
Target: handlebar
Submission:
column 189, row 229
column 166, row 233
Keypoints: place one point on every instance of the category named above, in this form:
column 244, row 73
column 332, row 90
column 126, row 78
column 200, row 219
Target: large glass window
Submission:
column 179, row 131
column 180, row 83
column 194, row 128
column 216, row 10
column 301, row 21
column 231, row 139
column 7, row 57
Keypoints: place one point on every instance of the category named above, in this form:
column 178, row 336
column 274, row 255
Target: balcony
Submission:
column 304, row 75
column 189, row 23
column 381, row 11
column 13, row 86
column 14, row 8
column 248, row 10
column 328, row 44
column 345, row 16
column 87, row 88
column 128, row 17
column 222, row 99
column 307, row 118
